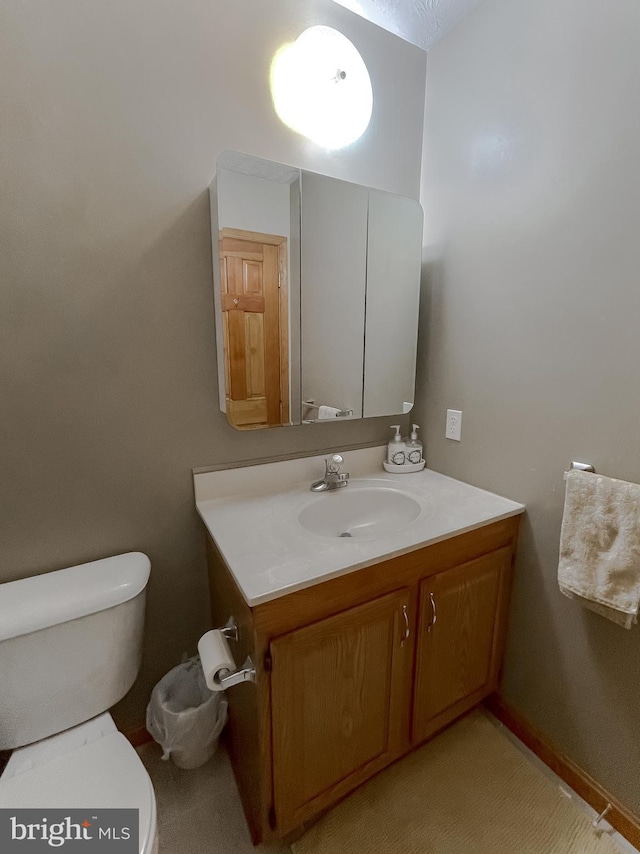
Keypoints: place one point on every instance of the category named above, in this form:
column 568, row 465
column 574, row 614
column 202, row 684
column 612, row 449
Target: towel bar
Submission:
column 579, row 467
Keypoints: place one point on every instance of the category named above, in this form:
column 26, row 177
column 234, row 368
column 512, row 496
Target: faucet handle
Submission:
column 333, row 463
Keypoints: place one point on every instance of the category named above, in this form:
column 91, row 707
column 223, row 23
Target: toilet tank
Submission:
column 70, row 645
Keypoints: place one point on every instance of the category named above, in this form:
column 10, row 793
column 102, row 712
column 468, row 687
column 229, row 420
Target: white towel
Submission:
column 600, row 546
column 327, row 412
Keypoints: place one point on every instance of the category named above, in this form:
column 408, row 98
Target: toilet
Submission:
column 70, row 648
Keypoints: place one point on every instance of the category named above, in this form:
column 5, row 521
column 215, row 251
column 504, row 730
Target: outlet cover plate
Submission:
column 454, row 424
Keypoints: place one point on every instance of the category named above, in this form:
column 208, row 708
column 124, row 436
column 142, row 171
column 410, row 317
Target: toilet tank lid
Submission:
column 42, row 601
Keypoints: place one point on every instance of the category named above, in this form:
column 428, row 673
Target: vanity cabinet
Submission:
column 354, row 672
column 457, row 647
column 337, row 704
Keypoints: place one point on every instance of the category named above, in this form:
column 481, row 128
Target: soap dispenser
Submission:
column 414, row 447
column 396, row 451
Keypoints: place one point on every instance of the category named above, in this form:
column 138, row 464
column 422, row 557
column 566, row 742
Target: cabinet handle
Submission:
column 434, row 615
column 406, row 634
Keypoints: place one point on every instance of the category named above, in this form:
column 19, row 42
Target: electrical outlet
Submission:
column 454, row 424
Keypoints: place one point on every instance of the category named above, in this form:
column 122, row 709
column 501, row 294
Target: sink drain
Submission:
column 345, row 534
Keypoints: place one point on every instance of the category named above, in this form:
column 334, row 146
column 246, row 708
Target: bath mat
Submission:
column 469, row 791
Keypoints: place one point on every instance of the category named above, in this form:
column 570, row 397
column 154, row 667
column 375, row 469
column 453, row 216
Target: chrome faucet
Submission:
column 333, row 477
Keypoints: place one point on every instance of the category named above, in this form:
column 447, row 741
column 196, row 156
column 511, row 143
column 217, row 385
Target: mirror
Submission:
column 317, row 286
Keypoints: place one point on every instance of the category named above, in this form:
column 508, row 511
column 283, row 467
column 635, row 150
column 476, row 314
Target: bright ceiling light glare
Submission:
column 321, row 88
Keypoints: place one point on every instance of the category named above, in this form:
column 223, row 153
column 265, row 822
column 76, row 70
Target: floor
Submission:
column 199, row 811
column 624, row 846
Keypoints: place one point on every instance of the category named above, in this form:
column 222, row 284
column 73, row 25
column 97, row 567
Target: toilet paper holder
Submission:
column 230, row 630
column 247, row 673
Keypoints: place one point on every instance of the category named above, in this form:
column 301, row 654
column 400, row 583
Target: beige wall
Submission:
column 113, row 116
column 532, row 323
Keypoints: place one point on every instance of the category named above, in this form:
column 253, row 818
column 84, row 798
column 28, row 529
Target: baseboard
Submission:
column 619, row 816
column 139, row 736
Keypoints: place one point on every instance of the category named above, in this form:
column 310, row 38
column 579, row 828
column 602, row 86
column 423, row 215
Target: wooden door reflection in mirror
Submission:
column 253, row 280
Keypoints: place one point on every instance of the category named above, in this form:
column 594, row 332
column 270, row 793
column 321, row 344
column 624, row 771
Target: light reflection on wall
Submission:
column 491, row 152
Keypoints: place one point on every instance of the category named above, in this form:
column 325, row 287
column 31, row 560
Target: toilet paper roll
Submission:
column 216, row 658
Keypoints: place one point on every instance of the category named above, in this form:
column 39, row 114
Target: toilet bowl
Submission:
column 88, row 767
column 70, row 644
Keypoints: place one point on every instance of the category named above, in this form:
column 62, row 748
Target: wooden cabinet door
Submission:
column 340, row 691
column 459, row 640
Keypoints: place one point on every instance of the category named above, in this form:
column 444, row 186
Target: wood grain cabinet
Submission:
column 458, row 640
column 337, row 691
column 354, row 672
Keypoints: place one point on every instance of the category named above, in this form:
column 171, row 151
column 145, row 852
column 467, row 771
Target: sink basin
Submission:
column 360, row 512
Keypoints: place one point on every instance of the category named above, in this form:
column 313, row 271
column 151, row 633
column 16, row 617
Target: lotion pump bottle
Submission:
column 414, row 447
column 396, row 451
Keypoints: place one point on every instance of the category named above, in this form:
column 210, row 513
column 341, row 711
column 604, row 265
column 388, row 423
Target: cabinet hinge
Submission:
column 279, row 280
column 272, row 818
column 268, row 663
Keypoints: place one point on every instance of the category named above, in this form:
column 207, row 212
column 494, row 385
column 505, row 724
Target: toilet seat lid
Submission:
column 104, row 774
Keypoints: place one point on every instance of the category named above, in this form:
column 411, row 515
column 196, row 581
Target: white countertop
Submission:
column 252, row 514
